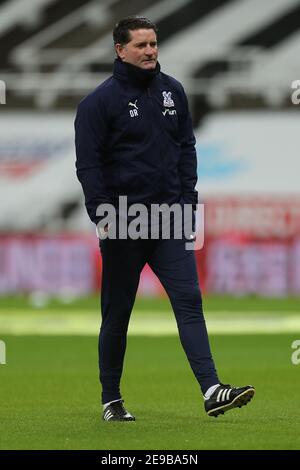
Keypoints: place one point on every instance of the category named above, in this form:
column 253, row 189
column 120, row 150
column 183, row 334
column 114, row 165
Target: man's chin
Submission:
column 148, row 65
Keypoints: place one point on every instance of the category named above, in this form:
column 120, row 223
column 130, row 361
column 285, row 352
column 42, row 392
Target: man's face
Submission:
column 141, row 50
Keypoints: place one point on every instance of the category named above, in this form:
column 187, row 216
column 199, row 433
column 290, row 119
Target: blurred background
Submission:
column 237, row 60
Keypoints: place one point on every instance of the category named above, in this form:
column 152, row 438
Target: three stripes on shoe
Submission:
column 224, row 395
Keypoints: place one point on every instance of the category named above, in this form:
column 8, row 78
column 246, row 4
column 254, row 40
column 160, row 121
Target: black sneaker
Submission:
column 226, row 397
column 116, row 412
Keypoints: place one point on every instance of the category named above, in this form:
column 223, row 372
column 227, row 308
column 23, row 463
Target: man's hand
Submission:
column 102, row 231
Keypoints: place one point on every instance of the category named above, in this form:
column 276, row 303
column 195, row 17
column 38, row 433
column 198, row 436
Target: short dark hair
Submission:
column 130, row 23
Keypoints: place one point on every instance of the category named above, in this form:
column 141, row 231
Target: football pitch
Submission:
column 50, row 396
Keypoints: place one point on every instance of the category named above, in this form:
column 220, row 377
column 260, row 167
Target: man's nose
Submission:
column 150, row 50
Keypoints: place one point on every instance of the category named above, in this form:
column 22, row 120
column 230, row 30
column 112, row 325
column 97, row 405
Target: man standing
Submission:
column 134, row 138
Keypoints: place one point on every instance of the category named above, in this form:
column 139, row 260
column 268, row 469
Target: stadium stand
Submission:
column 54, row 52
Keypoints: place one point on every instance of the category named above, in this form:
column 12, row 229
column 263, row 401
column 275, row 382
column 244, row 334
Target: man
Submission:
column 134, row 138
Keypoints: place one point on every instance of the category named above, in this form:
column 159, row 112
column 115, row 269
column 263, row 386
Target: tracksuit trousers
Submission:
column 123, row 261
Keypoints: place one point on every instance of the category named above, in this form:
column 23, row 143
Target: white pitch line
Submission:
column 147, row 324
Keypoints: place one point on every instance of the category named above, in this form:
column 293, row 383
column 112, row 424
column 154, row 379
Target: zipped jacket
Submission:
column 134, row 137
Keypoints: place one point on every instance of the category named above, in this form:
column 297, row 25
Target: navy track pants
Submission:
column 123, row 261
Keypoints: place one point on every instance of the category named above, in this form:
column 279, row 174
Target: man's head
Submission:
column 135, row 42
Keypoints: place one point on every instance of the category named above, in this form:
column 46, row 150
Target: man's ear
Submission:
column 120, row 51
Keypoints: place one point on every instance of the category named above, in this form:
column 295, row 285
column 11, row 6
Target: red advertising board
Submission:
column 252, row 246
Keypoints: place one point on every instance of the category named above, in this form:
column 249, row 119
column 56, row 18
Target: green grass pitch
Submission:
column 50, row 396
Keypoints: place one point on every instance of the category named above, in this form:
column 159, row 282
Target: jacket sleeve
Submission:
column 91, row 127
column 188, row 161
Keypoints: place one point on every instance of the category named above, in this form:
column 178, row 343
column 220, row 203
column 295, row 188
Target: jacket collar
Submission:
column 133, row 74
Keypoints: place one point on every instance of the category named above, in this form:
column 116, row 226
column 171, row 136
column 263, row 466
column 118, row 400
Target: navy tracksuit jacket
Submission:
column 145, row 152
column 134, row 137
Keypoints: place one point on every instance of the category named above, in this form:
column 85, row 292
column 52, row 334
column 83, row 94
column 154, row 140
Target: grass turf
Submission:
column 50, row 395
column 211, row 303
